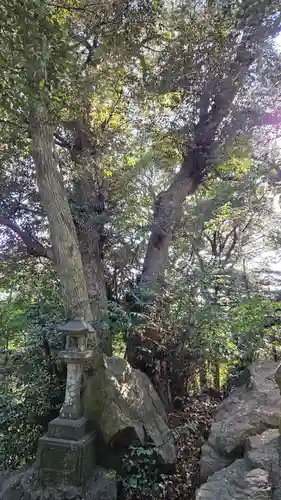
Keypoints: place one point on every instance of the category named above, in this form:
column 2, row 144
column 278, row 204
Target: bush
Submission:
column 141, row 475
column 30, row 397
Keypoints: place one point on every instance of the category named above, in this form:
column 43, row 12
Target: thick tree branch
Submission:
column 232, row 246
column 224, row 242
column 12, row 124
column 33, row 246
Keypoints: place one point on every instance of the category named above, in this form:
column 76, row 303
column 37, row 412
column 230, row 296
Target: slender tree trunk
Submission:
column 53, row 197
column 216, row 376
column 203, row 376
column 167, row 211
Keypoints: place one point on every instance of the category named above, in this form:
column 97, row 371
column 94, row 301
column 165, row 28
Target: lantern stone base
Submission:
column 62, row 428
column 66, row 453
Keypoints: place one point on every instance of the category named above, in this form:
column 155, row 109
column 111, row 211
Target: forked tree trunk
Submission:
column 199, row 159
column 67, row 256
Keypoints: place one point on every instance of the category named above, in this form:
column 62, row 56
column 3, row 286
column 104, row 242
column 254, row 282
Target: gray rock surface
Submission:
column 264, row 452
column 236, row 482
column 25, row 486
column 249, row 410
column 238, row 436
column 103, row 486
column 10, row 487
column 125, row 406
column 261, row 452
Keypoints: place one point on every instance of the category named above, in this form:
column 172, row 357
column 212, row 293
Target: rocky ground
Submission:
column 195, row 418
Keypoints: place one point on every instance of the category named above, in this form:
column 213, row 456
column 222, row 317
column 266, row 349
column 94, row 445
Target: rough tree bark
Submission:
column 88, row 212
column 90, row 248
column 216, row 376
column 67, row 256
column 167, row 211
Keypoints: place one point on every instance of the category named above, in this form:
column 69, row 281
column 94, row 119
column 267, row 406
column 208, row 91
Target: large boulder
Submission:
column 256, row 476
column 236, row 483
column 262, row 452
column 250, row 409
column 125, row 408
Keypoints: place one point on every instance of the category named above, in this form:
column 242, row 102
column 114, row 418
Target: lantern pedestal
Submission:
column 66, row 453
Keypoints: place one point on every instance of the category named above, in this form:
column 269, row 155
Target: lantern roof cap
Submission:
column 75, row 326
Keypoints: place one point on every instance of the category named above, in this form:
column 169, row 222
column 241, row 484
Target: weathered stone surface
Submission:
column 62, row 428
column 239, row 431
column 10, row 486
column 256, row 485
column 262, row 451
column 255, row 476
column 212, row 460
column 249, row 410
column 27, row 486
column 103, row 485
column 236, row 483
column 124, row 404
column 65, row 461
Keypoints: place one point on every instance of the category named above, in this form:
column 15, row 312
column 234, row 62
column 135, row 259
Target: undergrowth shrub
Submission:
column 30, row 396
column 143, row 477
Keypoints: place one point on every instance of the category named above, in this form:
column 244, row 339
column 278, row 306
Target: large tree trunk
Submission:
column 167, row 211
column 166, row 215
column 90, row 248
column 53, row 197
column 88, row 211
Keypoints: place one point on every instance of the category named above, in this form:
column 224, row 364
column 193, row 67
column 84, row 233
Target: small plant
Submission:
column 141, row 474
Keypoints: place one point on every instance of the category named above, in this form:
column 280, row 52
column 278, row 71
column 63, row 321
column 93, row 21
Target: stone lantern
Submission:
column 74, row 355
column 66, row 452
